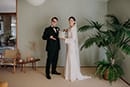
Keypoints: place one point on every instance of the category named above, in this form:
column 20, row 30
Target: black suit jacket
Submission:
column 52, row 45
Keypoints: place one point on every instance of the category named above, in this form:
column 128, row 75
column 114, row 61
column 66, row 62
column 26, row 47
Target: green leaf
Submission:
column 127, row 24
column 113, row 18
column 92, row 25
column 89, row 42
column 85, row 28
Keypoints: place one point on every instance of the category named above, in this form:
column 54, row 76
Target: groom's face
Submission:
column 54, row 22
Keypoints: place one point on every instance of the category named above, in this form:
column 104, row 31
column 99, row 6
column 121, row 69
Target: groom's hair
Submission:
column 71, row 17
column 52, row 19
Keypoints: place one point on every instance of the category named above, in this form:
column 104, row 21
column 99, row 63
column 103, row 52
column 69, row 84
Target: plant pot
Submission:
column 106, row 74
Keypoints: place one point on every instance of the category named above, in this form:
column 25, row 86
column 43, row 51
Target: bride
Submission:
column 72, row 67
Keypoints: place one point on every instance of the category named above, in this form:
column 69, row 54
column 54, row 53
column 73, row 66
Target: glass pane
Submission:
column 7, row 32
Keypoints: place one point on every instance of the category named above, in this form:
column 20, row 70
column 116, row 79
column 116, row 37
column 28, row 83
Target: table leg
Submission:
column 35, row 66
column 23, row 68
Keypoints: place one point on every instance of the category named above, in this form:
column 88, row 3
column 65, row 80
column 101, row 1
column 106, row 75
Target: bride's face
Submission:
column 71, row 22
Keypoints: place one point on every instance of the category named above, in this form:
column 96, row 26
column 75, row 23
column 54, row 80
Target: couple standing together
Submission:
column 72, row 67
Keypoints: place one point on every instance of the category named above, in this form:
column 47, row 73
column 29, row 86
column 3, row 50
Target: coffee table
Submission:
column 24, row 62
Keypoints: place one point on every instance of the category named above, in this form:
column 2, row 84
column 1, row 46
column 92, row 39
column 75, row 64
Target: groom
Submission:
column 53, row 46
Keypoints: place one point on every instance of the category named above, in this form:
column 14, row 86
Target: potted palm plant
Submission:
column 114, row 37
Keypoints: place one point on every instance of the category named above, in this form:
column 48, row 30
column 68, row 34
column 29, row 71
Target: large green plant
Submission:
column 114, row 36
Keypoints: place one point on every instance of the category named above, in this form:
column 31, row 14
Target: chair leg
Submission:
column 14, row 69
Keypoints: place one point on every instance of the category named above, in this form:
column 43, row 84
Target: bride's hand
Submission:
column 63, row 38
column 65, row 30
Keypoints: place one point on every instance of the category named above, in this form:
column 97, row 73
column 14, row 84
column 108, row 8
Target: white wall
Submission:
column 120, row 8
column 32, row 21
column 7, row 6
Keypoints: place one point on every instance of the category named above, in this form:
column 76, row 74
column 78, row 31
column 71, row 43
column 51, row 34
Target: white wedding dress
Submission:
column 72, row 67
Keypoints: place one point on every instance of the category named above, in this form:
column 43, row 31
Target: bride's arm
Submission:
column 71, row 38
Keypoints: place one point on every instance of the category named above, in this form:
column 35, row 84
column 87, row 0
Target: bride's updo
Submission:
column 71, row 17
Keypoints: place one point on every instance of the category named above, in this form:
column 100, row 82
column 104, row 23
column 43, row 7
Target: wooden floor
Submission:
column 37, row 78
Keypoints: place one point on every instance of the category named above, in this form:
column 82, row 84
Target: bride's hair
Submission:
column 71, row 17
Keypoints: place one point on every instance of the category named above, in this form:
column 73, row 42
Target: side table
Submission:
column 23, row 63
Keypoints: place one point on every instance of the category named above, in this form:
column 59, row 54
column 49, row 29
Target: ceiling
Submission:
column 7, row 6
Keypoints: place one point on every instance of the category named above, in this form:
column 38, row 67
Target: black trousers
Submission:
column 52, row 58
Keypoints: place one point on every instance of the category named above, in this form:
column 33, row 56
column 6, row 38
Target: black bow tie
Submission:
column 54, row 27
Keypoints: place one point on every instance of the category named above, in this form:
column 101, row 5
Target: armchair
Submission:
column 10, row 58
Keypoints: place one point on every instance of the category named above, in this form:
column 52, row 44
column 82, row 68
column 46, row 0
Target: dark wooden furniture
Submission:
column 24, row 62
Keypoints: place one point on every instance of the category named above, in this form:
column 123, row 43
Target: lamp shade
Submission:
column 36, row 2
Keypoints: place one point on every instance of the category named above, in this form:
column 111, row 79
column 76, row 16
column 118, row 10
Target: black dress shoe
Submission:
column 56, row 73
column 48, row 76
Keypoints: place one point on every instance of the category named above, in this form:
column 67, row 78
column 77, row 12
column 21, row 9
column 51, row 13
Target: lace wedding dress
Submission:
column 72, row 67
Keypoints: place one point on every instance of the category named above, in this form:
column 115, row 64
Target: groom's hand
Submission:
column 51, row 37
